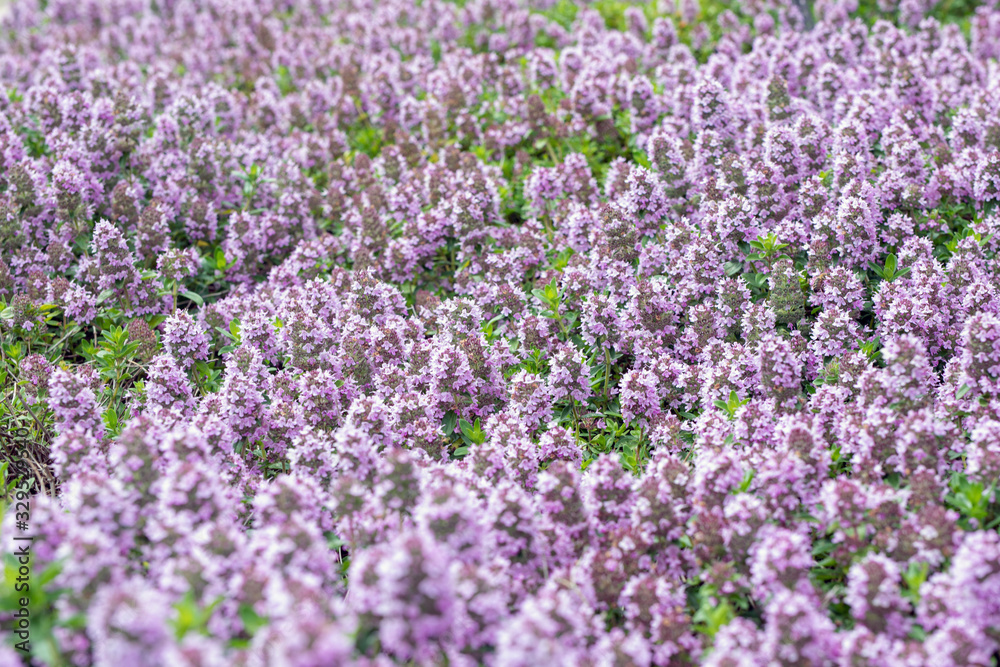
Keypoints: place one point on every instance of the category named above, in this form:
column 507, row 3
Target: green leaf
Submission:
column 915, row 576
column 187, row 613
column 252, row 621
column 890, row 266
column 823, row 547
column 709, row 619
column 963, row 390
column 826, row 574
column 477, row 436
column 193, row 297
column 104, row 296
column 562, row 260
column 450, row 420
column 110, row 419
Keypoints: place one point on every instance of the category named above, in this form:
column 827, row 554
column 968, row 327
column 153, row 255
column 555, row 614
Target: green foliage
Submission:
column 192, row 617
column 744, row 486
column 472, row 434
column 757, row 282
column 914, row 577
column 284, row 80
column 562, row 12
column 713, row 610
column 251, row 177
column 116, row 361
column 975, row 502
column 946, row 11
column 732, row 405
column 872, row 349
column 827, row 574
column 551, row 298
column 231, row 335
column 768, row 250
column 890, row 271
column 34, row 141
column 252, row 622
column 712, row 616
column 634, row 449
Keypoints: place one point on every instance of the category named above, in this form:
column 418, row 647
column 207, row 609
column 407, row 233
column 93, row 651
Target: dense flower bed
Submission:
column 505, row 332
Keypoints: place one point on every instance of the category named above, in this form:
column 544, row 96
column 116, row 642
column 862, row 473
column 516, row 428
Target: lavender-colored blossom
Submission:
column 74, row 400
column 185, row 340
column 34, row 371
column 477, row 364
column 874, row 595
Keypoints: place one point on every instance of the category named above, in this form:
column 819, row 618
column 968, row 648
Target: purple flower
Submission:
column 74, row 400
column 185, row 340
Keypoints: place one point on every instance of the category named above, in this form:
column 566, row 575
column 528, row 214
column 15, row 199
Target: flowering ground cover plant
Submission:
column 501, row 332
